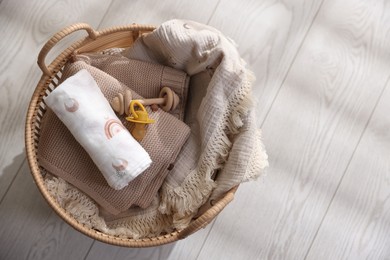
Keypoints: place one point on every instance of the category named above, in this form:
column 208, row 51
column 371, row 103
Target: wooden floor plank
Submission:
column 31, row 230
column 269, row 34
column 123, row 12
column 9, row 173
column 360, row 211
column 105, row 251
column 25, row 27
column 311, row 133
column 188, row 248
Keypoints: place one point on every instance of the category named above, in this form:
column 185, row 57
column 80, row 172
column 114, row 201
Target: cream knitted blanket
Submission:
column 224, row 143
column 224, row 135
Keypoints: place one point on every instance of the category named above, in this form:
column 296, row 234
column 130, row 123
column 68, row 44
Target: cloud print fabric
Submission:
column 82, row 107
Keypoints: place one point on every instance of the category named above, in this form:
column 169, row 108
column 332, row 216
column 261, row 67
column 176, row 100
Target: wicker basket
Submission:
column 115, row 37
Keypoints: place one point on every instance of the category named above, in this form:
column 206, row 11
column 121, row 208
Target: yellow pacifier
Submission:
column 140, row 118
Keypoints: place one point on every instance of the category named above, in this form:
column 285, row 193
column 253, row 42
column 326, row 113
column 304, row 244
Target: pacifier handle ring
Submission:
column 134, row 103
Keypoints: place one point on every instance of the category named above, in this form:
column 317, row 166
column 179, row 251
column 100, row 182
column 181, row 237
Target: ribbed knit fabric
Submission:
column 61, row 155
column 145, row 78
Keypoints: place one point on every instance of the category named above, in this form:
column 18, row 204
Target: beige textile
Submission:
column 224, row 135
column 61, row 155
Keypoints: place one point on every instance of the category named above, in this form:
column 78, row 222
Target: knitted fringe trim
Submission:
column 259, row 160
column 72, row 201
column 142, row 226
column 185, row 200
column 86, row 212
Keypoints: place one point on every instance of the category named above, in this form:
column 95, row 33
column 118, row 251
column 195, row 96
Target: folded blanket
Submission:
column 81, row 106
column 145, row 78
column 163, row 142
column 224, row 136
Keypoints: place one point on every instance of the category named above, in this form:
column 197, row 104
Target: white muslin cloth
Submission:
column 81, row 106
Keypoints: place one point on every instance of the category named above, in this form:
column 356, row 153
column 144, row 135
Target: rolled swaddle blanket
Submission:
column 81, row 106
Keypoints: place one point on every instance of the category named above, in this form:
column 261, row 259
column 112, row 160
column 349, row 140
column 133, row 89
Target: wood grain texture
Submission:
column 157, row 12
column 23, row 33
column 360, row 211
column 31, row 230
column 269, row 34
column 311, row 133
column 104, row 251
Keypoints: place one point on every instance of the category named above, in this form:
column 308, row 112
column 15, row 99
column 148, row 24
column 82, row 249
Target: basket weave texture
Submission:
column 96, row 41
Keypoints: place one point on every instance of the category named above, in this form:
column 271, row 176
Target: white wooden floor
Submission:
column 323, row 70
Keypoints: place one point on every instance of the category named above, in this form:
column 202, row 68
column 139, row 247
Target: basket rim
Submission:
column 32, row 127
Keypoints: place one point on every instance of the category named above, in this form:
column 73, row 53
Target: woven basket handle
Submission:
column 203, row 220
column 59, row 36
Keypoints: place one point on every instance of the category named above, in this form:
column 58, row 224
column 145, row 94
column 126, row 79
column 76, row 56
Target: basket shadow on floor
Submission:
column 9, row 173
